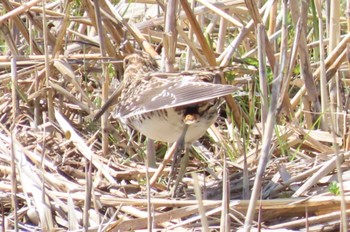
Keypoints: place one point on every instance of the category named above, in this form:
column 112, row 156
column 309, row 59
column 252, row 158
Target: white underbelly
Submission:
column 166, row 130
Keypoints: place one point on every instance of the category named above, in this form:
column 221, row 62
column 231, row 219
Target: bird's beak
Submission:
column 110, row 102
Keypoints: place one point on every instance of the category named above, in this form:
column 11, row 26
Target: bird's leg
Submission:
column 168, row 155
column 151, row 153
column 189, row 119
column 180, row 144
column 181, row 173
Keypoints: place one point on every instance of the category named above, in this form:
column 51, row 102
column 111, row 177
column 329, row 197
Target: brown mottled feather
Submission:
column 159, row 105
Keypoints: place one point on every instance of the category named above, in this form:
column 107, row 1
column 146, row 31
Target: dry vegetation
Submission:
column 280, row 146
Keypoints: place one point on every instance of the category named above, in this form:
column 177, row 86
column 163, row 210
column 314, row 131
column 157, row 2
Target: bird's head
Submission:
column 139, row 63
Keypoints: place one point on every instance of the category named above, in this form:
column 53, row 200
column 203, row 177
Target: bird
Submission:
column 168, row 107
column 175, row 107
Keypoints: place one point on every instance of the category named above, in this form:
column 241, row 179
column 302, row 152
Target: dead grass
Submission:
column 278, row 157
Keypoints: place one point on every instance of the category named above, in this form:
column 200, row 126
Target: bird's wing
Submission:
column 172, row 93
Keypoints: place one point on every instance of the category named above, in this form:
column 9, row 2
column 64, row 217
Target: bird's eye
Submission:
column 126, row 62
